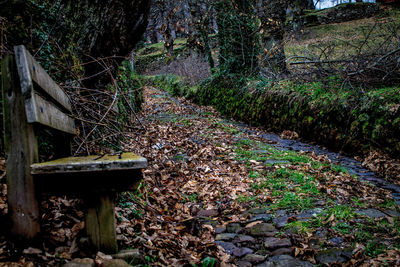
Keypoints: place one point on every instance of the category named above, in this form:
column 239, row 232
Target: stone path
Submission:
column 262, row 239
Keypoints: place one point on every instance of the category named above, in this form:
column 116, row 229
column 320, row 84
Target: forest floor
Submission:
column 215, row 194
column 209, row 183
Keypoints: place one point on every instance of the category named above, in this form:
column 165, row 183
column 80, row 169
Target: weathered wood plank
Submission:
column 100, row 223
column 21, row 151
column 125, row 161
column 37, row 109
column 48, row 114
column 29, row 69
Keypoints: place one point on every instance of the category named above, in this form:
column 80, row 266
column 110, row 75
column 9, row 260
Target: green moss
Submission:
column 341, row 118
column 90, row 160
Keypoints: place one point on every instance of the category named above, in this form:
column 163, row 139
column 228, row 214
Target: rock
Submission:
column 262, row 229
column 243, row 264
column 333, row 255
column 86, row 262
column 392, row 213
column 253, row 258
column 272, row 243
column 243, row 238
column 133, row 256
column 308, row 214
column 320, row 203
column 280, row 213
column 373, row 213
column 258, row 210
column 101, row 256
column 321, row 233
column 392, row 187
column 284, row 261
column 229, row 247
column 261, row 217
column 115, row 263
column 220, row 230
column 208, row 213
column 314, row 243
column 240, row 252
column 32, row 251
column 276, row 161
column 281, row 251
column 280, row 222
column 336, row 241
column 225, row 237
column 233, row 228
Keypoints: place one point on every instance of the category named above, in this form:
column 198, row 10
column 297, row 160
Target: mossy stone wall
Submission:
column 347, row 121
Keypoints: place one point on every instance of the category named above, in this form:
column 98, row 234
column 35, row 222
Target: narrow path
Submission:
column 213, row 191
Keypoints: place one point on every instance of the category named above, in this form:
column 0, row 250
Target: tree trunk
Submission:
column 273, row 15
column 67, row 30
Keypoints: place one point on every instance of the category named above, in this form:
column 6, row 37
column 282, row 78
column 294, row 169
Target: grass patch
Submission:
column 341, row 212
column 374, row 249
column 190, row 197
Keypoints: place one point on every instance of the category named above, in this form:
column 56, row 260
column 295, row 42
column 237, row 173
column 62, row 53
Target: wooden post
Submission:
column 21, row 151
column 100, row 222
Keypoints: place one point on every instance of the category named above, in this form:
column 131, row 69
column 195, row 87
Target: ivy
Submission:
column 238, row 37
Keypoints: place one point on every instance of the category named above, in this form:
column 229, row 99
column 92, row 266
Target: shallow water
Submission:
column 353, row 166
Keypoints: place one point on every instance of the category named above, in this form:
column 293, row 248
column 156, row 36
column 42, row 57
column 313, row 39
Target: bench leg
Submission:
column 100, row 223
column 21, row 151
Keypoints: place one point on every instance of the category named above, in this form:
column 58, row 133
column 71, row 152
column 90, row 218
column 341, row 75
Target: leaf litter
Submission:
column 195, row 182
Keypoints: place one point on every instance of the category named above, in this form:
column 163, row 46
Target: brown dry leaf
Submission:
column 77, row 227
column 250, row 225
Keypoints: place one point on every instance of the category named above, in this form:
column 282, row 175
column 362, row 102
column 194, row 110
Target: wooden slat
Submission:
column 21, row 151
column 48, row 114
column 37, row 109
column 125, row 161
column 29, row 70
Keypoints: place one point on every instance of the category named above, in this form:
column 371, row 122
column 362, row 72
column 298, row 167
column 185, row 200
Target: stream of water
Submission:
column 353, row 166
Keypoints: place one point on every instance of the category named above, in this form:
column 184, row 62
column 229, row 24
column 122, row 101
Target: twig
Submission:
column 105, row 114
column 319, row 62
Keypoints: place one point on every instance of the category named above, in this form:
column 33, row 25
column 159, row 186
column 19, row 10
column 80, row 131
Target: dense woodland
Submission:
column 270, row 129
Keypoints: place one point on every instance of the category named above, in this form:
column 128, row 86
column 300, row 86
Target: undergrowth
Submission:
column 343, row 118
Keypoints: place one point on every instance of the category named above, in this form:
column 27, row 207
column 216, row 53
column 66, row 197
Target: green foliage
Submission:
column 345, row 118
column 208, row 262
column 152, row 56
column 373, row 248
column 127, row 200
column 238, row 37
column 131, row 85
column 343, row 228
column 190, row 197
column 341, row 212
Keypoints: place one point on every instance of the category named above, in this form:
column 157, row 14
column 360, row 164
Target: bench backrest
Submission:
column 45, row 102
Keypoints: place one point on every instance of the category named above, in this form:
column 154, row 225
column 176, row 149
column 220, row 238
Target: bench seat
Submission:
column 80, row 176
column 119, row 162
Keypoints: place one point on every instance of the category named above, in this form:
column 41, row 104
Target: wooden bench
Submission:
column 32, row 100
